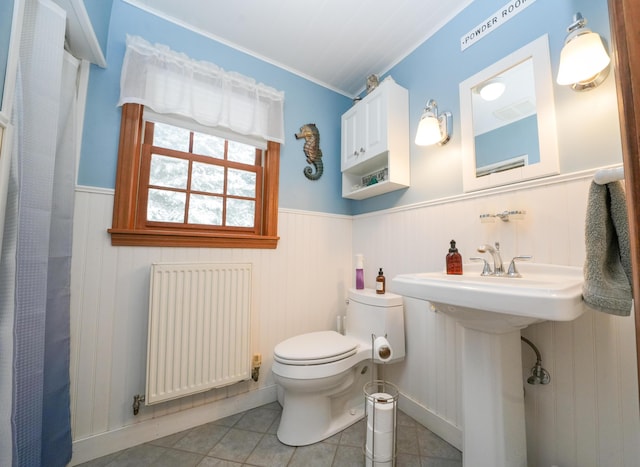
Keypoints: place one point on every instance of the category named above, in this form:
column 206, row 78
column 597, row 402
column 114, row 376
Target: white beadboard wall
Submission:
column 299, row 287
column 588, row 416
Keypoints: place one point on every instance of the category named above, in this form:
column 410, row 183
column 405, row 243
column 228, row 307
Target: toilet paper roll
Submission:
column 379, row 447
column 383, row 447
column 370, row 463
column 380, row 412
column 382, row 349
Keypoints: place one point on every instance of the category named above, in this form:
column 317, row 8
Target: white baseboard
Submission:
column 441, row 427
column 99, row 445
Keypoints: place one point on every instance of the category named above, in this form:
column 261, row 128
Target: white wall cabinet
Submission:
column 375, row 143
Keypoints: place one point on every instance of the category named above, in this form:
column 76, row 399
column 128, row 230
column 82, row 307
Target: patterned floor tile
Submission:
column 249, row 439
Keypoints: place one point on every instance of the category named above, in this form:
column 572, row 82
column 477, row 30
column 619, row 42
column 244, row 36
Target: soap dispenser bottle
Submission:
column 359, row 272
column 380, row 282
column 454, row 260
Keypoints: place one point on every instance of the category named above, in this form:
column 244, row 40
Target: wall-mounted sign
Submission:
column 493, row 22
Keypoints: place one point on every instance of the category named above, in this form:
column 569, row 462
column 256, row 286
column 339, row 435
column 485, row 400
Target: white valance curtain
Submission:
column 170, row 82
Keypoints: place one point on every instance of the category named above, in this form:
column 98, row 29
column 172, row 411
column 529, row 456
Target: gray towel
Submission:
column 607, row 269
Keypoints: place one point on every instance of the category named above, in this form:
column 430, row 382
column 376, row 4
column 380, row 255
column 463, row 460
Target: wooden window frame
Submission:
column 148, row 150
column 128, row 230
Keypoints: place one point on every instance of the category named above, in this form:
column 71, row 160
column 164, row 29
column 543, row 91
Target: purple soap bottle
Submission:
column 359, row 272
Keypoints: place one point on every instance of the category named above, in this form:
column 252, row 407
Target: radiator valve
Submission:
column 136, row 403
column 255, row 366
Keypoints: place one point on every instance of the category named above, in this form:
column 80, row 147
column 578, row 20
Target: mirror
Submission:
column 510, row 136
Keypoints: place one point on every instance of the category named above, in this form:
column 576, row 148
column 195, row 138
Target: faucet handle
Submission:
column 512, row 271
column 486, row 269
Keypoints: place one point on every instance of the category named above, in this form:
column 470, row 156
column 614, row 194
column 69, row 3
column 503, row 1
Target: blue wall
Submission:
column 305, row 102
column 587, row 137
column 588, row 131
column 99, row 12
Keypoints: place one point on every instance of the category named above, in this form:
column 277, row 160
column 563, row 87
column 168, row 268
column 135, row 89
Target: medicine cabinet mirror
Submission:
column 511, row 137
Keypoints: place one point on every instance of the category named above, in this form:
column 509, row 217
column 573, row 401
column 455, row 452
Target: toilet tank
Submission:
column 378, row 314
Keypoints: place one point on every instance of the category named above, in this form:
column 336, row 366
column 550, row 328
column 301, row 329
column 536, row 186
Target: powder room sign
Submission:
column 494, row 21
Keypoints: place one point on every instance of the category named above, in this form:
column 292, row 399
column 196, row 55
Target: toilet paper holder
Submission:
column 381, row 350
column 381, row 402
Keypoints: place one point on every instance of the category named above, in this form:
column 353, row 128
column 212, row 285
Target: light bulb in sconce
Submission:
column 433, row 128
column 428, row 131
column 584, row 62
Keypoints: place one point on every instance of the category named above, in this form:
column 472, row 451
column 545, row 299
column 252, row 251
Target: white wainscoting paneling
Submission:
column 299, row 287
column 588, row 416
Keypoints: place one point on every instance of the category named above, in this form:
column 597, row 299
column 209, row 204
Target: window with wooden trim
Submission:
column 180, row 186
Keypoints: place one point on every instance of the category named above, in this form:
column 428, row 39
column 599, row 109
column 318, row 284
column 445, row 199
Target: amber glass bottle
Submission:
column 454, row 260
column 380, row 282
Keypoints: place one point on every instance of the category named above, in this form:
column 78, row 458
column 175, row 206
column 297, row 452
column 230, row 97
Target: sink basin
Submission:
column 500, row 304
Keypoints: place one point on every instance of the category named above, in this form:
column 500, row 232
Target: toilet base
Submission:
column 308, row 418
column 297, row 433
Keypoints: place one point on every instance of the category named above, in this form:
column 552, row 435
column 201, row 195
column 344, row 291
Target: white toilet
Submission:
column 322, row 374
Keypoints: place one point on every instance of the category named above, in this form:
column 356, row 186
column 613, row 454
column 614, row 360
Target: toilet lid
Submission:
column 315, row 348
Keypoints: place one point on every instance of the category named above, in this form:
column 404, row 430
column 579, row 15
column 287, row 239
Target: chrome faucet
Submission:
column 498, row 267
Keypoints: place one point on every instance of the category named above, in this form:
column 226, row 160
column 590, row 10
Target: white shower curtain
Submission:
column 36, row 249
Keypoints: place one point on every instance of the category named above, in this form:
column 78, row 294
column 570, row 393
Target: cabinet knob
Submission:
column 355, row 153
column 361, row 150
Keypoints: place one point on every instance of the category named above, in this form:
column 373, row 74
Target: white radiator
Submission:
column 199, row 328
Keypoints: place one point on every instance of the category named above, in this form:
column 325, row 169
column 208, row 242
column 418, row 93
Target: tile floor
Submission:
column 249, row 439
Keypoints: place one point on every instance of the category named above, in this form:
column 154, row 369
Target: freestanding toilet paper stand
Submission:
column 381, row 403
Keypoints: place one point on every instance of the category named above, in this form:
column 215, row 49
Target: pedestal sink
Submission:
column 492, row 311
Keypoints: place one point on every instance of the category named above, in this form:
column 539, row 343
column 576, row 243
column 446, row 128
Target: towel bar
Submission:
column 604, row 176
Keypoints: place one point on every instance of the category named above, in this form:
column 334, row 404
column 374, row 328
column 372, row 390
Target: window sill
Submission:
column 123, row 237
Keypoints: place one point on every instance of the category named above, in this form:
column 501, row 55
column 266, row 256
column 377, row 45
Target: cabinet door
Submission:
column 352, row 137
column 375, row 137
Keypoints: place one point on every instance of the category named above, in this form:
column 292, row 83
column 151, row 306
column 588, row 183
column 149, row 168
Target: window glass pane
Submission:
column 239, row 152
column 240, row 212
column 207, row 177
column 208, row 145
column 168, row 171
column 241, row 183
column 205, row 210
column 171, row 137
column 165, row 206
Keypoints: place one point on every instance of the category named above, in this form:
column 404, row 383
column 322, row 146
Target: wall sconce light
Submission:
column 433, row 128
column 584, row 62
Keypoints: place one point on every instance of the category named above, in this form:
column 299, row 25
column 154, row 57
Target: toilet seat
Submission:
column 315, row 348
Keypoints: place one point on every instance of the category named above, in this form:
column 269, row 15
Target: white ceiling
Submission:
column 335, row 43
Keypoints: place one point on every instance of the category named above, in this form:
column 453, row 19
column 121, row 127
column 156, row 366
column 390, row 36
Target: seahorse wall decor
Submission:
column 312, row 150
